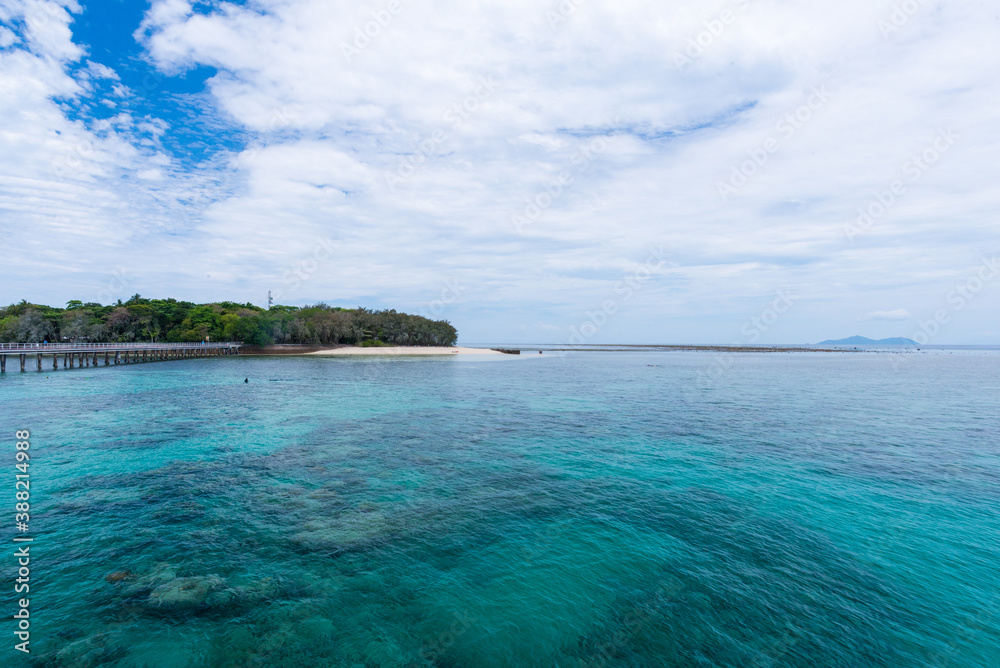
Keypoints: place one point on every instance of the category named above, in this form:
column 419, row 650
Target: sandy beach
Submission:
column 406, row 350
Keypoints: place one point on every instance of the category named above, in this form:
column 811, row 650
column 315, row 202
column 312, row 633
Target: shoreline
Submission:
column 351, row 351
column 709, row 349
column 348, row 351
column 440, row 351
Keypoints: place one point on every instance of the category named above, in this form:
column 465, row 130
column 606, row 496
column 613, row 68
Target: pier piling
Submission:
column 88, row 354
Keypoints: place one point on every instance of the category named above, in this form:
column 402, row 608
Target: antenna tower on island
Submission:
column 270, row 302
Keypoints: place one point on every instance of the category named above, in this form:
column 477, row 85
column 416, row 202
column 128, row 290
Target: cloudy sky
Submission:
column 736, row 171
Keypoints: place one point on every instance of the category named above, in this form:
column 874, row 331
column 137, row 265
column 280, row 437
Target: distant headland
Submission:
column 169, row 320
column 864, row 341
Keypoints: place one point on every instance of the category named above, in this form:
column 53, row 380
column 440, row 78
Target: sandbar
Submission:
column 406, row 350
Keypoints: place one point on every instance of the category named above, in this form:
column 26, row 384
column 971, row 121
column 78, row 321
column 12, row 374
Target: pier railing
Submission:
column 88, row 354
column 49, row 347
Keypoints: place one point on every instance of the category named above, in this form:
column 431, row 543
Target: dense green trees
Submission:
column 141, row 319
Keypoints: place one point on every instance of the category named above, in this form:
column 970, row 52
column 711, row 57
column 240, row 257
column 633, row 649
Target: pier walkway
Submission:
column 89, row 354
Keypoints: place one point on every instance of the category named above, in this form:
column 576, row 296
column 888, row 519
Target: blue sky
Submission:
column 741, row 171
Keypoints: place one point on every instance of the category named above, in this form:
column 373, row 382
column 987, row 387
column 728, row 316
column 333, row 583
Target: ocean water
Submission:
column 585, row 509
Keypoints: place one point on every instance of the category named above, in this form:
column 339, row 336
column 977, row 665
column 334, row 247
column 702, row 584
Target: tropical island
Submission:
column 172, row 321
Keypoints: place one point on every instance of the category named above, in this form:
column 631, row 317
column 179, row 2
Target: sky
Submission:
column 740, row 171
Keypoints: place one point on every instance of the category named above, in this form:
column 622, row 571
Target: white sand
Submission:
column 407, row 350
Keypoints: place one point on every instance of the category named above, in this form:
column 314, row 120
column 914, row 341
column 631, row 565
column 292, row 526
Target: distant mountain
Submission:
column 864, row 341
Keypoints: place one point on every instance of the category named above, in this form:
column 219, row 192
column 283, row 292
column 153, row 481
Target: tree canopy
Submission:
column 169, row 320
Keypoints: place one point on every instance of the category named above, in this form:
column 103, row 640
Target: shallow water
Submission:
column 578, row 510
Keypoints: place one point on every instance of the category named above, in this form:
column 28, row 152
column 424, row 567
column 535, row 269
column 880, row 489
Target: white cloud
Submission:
column 69, row 208
column 898, row 314
column 7, row 37
column 100, row 71
column 326, row 131
column 47, row 27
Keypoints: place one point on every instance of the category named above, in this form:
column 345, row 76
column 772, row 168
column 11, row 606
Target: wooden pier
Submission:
column 90, row 354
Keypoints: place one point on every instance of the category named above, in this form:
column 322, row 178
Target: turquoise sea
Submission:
column 561, row 510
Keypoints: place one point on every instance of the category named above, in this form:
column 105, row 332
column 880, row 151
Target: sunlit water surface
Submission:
column 591, row 509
